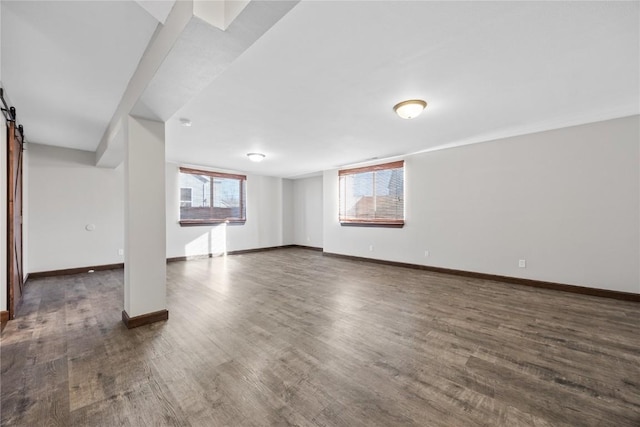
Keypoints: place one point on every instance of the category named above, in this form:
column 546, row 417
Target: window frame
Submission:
column 371, row 222
column 242, row 182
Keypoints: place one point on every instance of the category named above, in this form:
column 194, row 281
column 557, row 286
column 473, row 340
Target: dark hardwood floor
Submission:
column 289, row 337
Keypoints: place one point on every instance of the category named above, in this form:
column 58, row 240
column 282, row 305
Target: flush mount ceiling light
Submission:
column 185, row 122
column 410, row 109
column 256, row 157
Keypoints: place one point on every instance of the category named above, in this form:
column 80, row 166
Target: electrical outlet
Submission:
column 426, row 254
column 120, row 252
column 370, row 248
column 522, row 263
column 308, row 239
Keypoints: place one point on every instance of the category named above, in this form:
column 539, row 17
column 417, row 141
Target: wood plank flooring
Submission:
column 289, row 337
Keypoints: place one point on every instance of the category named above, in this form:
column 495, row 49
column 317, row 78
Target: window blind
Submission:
column 372, row 195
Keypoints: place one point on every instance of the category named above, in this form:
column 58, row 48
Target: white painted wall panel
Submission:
column 565, row 200
column 288, row 214
column 66, row 192
column 307, row 195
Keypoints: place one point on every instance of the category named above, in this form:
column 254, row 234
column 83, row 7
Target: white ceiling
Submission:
column 316, row 90
column 65, row 65
column 200, row 54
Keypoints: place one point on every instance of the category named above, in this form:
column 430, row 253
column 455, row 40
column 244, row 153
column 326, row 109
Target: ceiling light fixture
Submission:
column 410, row 109
column 256, row 157
column 185, row 122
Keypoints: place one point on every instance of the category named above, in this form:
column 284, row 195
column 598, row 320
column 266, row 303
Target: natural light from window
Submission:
column 211, row 197
column 372, row 195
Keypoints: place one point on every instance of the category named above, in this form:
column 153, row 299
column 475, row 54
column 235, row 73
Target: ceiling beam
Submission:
column 159, row 9
column 199, row 40
column 161, row 43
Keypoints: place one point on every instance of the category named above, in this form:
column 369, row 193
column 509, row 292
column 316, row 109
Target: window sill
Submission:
column 381, row 224
column 196, row 222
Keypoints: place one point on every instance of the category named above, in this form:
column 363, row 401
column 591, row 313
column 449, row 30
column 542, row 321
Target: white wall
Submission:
column 264, row 226
column 566, row 200
column 288, row 214
column 307, row 221
column 67, row 193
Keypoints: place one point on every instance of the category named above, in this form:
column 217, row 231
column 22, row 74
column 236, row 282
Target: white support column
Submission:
column 145, row 229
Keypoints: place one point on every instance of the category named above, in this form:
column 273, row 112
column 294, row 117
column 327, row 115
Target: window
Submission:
column 186, row 197
column 372, row 196
column 211, row 197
